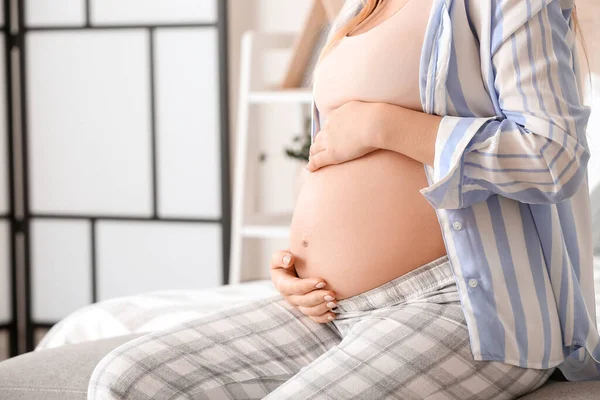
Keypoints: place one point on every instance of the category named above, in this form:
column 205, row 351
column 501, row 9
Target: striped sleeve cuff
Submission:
column 478, row 157
column 453, row 137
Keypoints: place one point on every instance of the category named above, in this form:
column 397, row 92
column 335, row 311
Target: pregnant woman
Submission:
column 441, row 247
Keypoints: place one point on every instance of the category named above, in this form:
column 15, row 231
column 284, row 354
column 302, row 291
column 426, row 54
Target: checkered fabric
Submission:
column 405, row 339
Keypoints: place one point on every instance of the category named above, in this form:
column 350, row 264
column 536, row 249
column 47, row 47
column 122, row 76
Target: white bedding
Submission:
column 160, row 310
column 149, row 312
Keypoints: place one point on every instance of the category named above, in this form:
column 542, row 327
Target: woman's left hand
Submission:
column 345, row 136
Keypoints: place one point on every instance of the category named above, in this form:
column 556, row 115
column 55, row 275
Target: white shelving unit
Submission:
column 246, row 223
column 301, row 96
column 267, row 226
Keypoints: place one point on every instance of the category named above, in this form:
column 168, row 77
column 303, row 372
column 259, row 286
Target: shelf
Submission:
column 268, row 226
column 302, row 96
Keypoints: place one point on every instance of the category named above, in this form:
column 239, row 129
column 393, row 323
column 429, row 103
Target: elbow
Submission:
column 565, row 188
column 564, row 162
column 546, row 182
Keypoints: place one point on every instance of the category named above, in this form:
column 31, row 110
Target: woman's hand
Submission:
column 345, row 136
column 305, row 294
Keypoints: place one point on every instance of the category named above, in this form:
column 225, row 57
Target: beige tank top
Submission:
column 377, row 65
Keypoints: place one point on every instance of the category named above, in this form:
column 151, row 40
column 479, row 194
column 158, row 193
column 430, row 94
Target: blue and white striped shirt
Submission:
column 509, row 182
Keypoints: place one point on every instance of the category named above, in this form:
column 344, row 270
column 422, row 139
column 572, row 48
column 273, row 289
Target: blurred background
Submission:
column 123, row 125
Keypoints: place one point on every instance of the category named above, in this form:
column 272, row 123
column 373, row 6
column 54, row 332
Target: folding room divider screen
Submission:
column 114, row 176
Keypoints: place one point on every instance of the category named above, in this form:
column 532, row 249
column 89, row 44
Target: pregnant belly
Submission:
column 363, row 223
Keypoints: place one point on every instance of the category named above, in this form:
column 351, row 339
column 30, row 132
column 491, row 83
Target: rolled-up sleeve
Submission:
column 536, row 152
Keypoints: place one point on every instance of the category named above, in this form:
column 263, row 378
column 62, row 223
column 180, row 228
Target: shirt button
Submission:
column 457, row 225
column 473, row 283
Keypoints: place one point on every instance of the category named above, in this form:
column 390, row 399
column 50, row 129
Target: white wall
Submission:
column 589, row 15
column 263, row 16
column 277, row 123
column 593, row 132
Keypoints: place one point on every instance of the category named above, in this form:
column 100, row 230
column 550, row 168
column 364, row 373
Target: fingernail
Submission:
column 286, row 259
column 320, row 285
column 328, row 298
column 331, row 304
column 330, row 317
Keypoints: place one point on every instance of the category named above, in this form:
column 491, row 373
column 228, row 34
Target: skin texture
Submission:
column 380, row 143
column 345, row 137
column 303, row 294
column 360, row 220
column 341, row 140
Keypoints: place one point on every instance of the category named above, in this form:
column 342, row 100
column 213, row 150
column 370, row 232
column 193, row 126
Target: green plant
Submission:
column 303, row 139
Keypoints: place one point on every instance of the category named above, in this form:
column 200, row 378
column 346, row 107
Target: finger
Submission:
column 313, row 298
column 318, row 310
column 316, row 147
column 292, row 285
column 282, row 259
column 323, row 319
column 317, row 161
column 290, row 300
column 283, row 279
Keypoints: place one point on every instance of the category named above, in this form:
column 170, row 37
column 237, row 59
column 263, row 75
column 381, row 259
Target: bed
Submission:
column 161, row 310
column 149, row 312
column 133, row 315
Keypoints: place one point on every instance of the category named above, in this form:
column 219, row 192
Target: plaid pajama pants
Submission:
column 406, row 339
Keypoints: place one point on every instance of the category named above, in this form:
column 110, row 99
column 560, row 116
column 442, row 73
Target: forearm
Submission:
column 405, row 131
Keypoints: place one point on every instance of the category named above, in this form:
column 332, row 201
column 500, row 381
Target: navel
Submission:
column 304, row 240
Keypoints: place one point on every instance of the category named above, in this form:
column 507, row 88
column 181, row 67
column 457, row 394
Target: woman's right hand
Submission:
column 306, row 294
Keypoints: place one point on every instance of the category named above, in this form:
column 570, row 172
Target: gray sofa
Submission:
column 62, row 373
column 567, row 391
column 55, row 374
